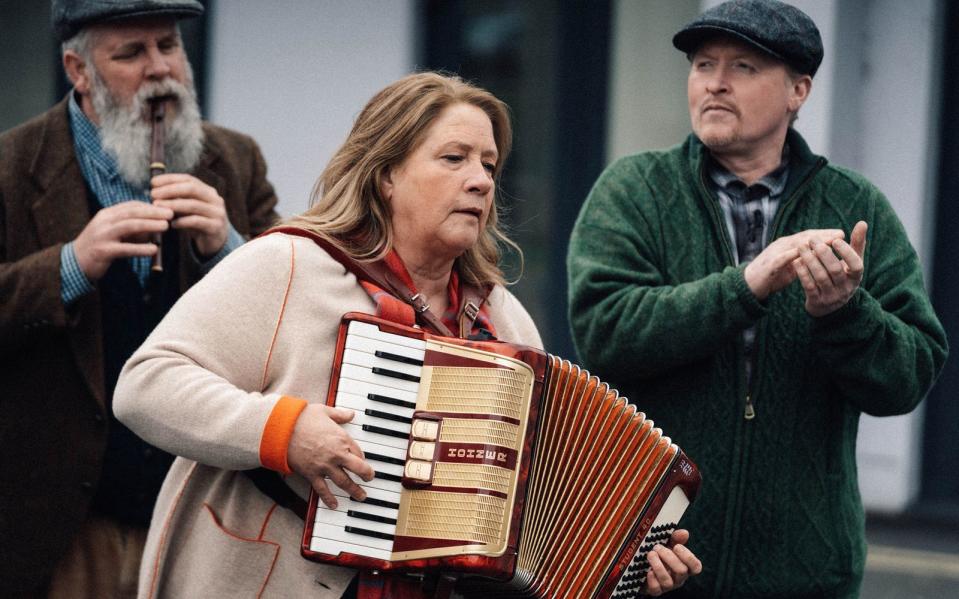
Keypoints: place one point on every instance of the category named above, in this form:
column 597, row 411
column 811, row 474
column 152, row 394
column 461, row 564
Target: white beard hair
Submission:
column 126, row 135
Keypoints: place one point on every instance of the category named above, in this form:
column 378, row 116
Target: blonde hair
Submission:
column 346, row 206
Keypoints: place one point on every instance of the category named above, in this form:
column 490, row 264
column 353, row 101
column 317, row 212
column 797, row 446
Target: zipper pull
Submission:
column 750, row 412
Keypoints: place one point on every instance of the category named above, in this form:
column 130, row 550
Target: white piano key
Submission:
column 370, row 346
column 334, row 547
column 386, row 383
column 391, row 495
column 365, row 360
column 403, row 428
column 385, row 450
column 358, row 434
column 344, row 504
column 376, row 483
column 357, row 385
column 385, row 467
column 337, row 533
column 371, row 331
column 361, row 403
column 340, row 519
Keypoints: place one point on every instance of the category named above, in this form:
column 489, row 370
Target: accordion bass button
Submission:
column 425, row 430
column 420, row 450
column 419, row 470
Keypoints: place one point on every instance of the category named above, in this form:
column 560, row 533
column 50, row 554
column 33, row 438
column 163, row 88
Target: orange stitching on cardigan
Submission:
column 166, row 529
column 266, row 521
column 277, row 433
column 276, row 554
column 279, row 319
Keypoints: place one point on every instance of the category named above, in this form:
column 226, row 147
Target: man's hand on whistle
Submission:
column 120, row 231
column 198, row 210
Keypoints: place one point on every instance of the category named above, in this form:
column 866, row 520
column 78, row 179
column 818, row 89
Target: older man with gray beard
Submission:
column 78, row 210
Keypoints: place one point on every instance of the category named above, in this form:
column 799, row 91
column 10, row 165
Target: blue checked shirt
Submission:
column 99, row 169
column 749, row 212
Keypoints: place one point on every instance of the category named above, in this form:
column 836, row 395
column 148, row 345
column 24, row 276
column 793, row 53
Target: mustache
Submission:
column 168, row 90
column 126, row 131
column 713, row 104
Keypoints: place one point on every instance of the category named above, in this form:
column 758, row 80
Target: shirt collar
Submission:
column 771, row 184
column 86, row 140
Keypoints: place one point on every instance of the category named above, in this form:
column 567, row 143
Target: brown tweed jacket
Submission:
column 53, row 413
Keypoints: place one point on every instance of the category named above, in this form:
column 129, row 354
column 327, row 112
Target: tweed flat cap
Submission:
column 776, row 28
column 70, row 16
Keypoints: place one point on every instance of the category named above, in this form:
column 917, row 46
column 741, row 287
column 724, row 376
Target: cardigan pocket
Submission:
column 217, row 562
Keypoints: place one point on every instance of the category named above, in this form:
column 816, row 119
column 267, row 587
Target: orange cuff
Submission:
column 277, row 433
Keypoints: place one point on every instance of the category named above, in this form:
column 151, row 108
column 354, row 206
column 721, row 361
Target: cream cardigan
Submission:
column 260, row 326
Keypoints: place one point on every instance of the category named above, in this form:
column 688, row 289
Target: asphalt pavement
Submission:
column 910, row 559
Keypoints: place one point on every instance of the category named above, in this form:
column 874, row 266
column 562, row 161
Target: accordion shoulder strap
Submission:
column 379, row 274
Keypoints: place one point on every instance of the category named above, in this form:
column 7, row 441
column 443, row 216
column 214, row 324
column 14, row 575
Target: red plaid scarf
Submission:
column 389, row 307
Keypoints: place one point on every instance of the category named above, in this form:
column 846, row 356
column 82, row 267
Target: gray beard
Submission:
column 126, row 135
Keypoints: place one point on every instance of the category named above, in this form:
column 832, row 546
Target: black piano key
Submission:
column 387, row 476
column 370, row 517
column 391, row 401
column 380, row 503
column 389, row 416
column 384, row 458
column 369, row 533
column 397, row 358
column 396, row 375
column 385, row 431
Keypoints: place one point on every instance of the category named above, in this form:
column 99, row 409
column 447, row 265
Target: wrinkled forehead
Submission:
column 113, row 34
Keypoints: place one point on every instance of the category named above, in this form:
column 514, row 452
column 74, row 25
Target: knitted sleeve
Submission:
column 193, row 387
column 642, row 299
column 886, row 347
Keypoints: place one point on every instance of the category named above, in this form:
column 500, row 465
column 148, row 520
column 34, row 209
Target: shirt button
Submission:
column 98, row 417
column 86, row 485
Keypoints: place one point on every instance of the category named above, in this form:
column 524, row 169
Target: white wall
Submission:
column 295, row 73
column 647, row 89
column 892, row 138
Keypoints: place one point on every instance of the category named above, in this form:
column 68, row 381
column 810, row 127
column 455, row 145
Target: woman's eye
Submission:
column 490, row 167
column 453, row 158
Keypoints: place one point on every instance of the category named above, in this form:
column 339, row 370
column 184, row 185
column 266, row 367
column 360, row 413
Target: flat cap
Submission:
column 776, row 28
column 70, row 16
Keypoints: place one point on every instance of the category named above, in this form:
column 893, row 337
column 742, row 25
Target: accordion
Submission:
column 511, row 467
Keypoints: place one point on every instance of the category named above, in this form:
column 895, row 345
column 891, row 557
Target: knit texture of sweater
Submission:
column 657, row 308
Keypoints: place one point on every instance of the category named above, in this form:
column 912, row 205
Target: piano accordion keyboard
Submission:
column 600, row 487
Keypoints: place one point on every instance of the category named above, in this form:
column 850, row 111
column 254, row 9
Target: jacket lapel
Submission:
column 60, row 214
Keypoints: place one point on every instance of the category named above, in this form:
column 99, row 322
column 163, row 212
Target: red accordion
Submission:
column 512, row 467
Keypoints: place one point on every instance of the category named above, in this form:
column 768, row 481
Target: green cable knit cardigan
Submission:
column 658, row 308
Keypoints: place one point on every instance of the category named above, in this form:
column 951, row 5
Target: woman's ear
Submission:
column 386, row 184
